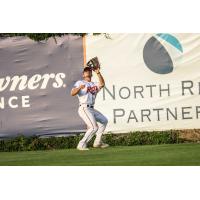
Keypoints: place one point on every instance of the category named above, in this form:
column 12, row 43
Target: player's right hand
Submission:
column 82, row 86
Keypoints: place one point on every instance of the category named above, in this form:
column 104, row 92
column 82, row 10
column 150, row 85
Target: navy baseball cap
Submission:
column 86, row 69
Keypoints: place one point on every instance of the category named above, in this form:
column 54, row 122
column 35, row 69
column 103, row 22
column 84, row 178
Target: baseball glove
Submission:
column 93, row 63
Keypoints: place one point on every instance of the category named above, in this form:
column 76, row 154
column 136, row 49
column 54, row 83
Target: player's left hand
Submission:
column 97, row 70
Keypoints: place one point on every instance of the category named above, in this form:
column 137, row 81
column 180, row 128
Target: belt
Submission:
column 87, row 105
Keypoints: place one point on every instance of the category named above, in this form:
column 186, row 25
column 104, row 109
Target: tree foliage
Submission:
column 38, row 36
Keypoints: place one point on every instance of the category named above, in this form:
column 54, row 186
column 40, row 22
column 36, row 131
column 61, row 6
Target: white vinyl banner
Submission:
column 152, row 80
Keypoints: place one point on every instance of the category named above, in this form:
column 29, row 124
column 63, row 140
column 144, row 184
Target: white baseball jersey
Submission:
column 88, row 94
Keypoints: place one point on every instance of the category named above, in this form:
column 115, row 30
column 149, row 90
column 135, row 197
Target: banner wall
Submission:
column 152, row 80
column 35, row 83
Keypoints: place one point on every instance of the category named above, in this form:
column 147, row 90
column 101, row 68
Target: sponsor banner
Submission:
column 35, row 83
column 152, row 80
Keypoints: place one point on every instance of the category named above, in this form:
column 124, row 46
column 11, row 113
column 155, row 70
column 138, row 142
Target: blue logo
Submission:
column 155, row 55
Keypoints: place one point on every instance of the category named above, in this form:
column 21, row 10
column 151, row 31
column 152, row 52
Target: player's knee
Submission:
column 105, row 121
column 95, row 128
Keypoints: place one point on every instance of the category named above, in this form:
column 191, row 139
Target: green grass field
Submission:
column 147, row 155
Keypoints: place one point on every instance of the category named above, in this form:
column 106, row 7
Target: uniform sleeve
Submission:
column 77, row 84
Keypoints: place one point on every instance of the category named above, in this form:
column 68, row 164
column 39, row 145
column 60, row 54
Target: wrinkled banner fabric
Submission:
column 35, row 83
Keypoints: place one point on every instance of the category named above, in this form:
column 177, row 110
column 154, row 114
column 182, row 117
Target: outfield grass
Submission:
column 158, row 155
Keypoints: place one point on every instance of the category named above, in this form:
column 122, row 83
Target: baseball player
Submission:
column 95, row 121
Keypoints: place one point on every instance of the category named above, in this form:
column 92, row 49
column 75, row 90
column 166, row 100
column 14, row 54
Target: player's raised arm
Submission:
column 100, row 77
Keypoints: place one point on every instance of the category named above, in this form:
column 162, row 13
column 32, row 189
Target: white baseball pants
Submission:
column 96, row 123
